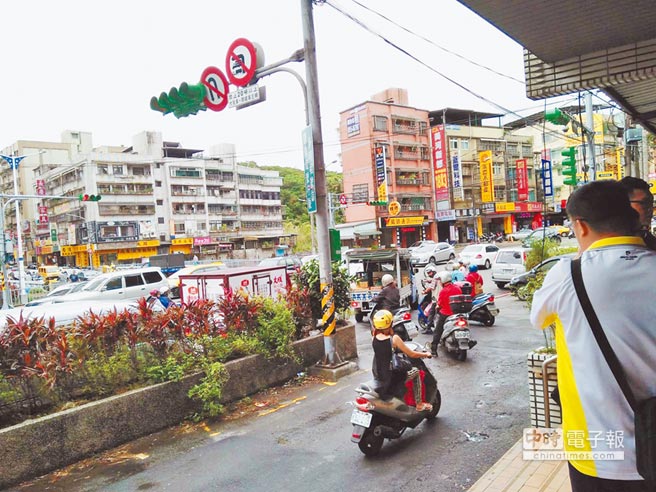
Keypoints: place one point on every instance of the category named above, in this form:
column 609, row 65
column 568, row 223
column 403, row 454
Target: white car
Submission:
column 508, row 263
column 481, row 255
column 432, row 253
column 419, row 244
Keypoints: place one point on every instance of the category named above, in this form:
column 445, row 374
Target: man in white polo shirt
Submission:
column 618, row 274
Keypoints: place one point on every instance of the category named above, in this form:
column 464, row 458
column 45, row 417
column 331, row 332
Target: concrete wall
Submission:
column 38, row 446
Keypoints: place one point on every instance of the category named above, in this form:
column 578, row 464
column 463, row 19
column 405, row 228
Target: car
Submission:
column 481, row 255
column 563, row 230
column 522, row 279
column 292, row 263
column 60, row 290
column 174, row 279
column 508, row 263
column 520, row 235
column 418, row 244
column 540, row 234
column 432, row 253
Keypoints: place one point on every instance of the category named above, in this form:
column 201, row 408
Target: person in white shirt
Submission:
column 617, row 271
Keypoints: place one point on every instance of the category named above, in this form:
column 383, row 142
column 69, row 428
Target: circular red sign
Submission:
column 217, row 88
column 244, row 283
column 342, row 199
column 241, row 62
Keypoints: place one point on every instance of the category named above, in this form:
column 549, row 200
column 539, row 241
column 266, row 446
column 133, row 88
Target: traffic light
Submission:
column 182, row 101
column 556, row 116
column 377, row 203
column 569, row 165
column 89, row 198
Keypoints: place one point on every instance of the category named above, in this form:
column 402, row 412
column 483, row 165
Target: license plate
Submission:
column 461, row 334
column 507, row 270
column 361, row 418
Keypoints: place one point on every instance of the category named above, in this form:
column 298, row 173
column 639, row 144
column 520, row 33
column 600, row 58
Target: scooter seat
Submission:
column 373, row 386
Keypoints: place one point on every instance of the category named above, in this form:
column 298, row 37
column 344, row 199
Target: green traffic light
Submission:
column 556, row 116
column 182, row 101
column 569, row 166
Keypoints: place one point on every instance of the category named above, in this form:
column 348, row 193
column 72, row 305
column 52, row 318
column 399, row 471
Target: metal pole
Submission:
column 19, row 241
column 590, row 134
column 325, row 274
column 6, row 301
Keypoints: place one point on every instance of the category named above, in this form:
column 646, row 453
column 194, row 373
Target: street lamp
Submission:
column 14, row 162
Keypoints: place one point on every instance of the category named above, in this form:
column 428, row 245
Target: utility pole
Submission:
column 589, row 113
column 331, row 357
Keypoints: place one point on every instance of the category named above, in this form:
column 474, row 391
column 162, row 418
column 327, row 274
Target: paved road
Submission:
column 303, row 444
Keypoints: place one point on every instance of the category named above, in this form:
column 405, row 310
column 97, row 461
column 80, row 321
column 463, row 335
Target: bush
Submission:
column 308, row 278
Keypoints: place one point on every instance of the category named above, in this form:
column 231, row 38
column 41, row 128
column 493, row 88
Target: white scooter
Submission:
column 456, row 337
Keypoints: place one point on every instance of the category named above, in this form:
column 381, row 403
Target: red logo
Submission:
column 244, row 283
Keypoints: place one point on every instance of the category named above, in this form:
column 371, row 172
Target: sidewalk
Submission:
column 513, row 474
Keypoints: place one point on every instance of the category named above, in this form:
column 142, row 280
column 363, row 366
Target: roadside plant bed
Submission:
column 44, row 368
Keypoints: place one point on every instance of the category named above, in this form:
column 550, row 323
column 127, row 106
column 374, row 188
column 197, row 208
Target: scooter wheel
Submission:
column 370, row 444
column 437, row 403
column 462, row 355
column 489, row 321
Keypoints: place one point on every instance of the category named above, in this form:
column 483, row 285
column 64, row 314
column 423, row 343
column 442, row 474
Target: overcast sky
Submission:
column 94, row 65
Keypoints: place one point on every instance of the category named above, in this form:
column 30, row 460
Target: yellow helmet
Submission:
column 383, row 319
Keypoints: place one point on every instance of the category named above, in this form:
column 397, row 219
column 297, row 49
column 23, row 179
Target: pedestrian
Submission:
column 617, row 270
column 642, row 201
column 448, row 289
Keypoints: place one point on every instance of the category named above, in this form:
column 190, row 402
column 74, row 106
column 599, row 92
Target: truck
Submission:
column 169, row 263
column 252, row 281
column 367, row 267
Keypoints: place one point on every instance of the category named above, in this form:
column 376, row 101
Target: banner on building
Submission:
column 522, row 179
column 547, row 184
column 438, row 141
column 487, row 185
column 403, row 221
column 456, row 177
column 381, row 173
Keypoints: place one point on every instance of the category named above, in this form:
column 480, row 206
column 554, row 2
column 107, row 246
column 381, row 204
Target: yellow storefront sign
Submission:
column 504, row 206
column 182, row 240
column 132, row 254
column 150, row 243
column 606, row 175
column 403, row 221
column 487, row 185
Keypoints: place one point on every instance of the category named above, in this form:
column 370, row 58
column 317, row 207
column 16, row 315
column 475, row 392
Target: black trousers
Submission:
column 585, row 483
column 439, row 329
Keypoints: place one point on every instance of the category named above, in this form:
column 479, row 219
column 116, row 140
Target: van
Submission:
column 508, row 263
column 50, row 274
column 120, row 285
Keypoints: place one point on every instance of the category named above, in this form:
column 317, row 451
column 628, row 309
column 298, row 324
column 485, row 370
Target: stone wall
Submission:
column 38, row 446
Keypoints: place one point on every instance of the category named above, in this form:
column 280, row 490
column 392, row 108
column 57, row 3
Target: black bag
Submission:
column 644, row 411
column 399, row 364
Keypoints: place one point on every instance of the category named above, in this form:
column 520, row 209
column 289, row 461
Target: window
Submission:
column 152, row 277
column 497, row 168
column 103, row 169
column 114, row 283
column 380, row 123
column 158, row 184
column 117, row 170
column 159, row 202
column 160, row 220
column 185, row 172
column 360, row 193
column 453, row 143
column 464, row 144
column 133, row 280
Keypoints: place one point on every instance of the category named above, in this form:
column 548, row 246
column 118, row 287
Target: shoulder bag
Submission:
column 645, row 410
column 399, row 362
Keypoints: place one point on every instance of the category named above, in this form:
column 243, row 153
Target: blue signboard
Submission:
column 308, row 162
column 547, row 183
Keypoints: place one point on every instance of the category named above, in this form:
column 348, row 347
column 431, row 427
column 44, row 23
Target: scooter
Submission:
column 375, row 419
column 483, row 310
column 456, row 337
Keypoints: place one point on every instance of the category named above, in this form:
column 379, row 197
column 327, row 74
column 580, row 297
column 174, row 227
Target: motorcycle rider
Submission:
column 160, row 295
column 430, row 284
column 475, row 279
column 383, row 343
column 389, row 297
column 448, row 290
column 458, row 271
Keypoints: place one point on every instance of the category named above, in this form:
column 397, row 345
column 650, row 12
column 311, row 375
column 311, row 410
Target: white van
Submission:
column 119, row 285
column 508, row 263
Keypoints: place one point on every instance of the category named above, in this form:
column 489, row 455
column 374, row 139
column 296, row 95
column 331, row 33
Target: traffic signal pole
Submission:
column 331, row 358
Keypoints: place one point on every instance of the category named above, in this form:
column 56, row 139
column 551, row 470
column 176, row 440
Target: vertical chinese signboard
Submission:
column 522, row 179
column 381, row 173
column 456, row 176
column 487, row 185
column 438, row 139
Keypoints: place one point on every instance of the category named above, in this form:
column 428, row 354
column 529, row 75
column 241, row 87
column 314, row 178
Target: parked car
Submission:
column 119, row 285
column 508, row 263
column 174, row 279
column 522, row 279
column 481, row 255
column 540, row 234
column 563, row 230
column 520, row 235
column 292, row 263
column 58, row 291
column 432, row 253
column 418, row 244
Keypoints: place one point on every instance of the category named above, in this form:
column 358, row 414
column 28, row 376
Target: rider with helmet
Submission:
column 389, row 297
column 458, row 274
column 430, row 284
column 384, row 343
column 474, row 278
column 161, row 294
column 448, row 289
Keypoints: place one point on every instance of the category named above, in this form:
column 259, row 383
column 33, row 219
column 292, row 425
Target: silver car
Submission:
column 432, row 253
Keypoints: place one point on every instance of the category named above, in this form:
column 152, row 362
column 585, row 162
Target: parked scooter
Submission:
column 456, row 337
column 375, row 419
column 483, row 310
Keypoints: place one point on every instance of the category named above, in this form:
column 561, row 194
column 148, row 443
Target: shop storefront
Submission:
column 405, row 231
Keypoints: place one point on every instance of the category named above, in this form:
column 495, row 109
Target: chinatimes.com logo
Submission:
column 554, row 445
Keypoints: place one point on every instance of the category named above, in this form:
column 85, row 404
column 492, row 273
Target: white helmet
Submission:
column 445, row 277
column 386, row 280
column 430, row 269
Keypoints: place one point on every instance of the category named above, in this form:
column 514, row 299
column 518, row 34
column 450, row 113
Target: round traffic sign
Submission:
column 217, row 86
column 241, row 62
column 394, row 208
column 342, row 199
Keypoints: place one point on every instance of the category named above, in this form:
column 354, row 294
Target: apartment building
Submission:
column 387, row 126
column 156, row 197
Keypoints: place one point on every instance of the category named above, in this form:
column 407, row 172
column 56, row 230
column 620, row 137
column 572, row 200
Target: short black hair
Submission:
column 605, row 207
column 631, row 183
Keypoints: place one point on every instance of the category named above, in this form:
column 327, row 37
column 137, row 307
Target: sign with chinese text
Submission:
column 487, row 185
column 445, row 215
column 308, row 165
column 40, row 187
column 438, row 139
column 353, row 125
column 547, row 184
column 456, row 176
column 202, row 241
column 403, row 221
column 522, row 179
column 504, row 206
column 381, row 173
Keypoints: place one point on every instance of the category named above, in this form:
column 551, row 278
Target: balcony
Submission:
column 410, row 181
column 412, row 155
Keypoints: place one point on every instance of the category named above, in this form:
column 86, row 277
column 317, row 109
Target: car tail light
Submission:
column 479, row 255
column 461, row 322
column 407, row 316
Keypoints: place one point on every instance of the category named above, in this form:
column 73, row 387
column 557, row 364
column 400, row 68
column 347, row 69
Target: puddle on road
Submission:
column 475, row 436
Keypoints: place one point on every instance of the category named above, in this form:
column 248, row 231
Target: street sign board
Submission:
column 308, row 161
column 342, row 199
column 246, row 96
column 547, row 184
column 217, row 86
column 241, row 62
